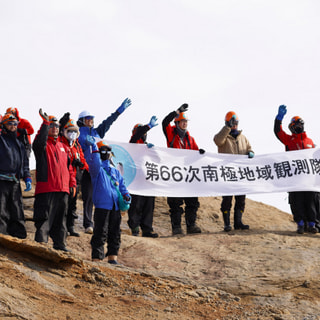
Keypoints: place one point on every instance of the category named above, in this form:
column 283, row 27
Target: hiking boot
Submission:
column 72, row 233
column 150, row 234
column 300, row 229
column 226, row 220
column 115, row 262
column 238, row 221
column 176, row 231
column 61, row 248
column 193, row 229
column 89, row 230
column 312, row 229
column 135, row 232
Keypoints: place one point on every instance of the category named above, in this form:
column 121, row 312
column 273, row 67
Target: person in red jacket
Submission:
column 141, row 209
column 303, row 204
column 24, row 131
column 178, row 137
column 55, row 180
column 69, row 137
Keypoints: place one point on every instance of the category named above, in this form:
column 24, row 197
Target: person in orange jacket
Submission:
column 24, row 130
column 69, row 133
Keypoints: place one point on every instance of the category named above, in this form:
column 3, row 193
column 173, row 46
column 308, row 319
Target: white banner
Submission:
column 186, row 173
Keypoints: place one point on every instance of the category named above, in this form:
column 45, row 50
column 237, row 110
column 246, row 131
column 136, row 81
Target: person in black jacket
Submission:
column 14, row 165
column 141, row 210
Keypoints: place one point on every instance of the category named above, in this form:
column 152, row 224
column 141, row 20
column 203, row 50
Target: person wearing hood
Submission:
column 178, row 137
column 69, row 137
column 231, row 140
column 108, row 186
column 55, row 181
column 24, row 130
column 303, row 204
column 14, row 165
column 141, row 209
column 86, row 128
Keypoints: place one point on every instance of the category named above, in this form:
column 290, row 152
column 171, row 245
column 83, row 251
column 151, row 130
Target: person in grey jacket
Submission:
column 231, row 140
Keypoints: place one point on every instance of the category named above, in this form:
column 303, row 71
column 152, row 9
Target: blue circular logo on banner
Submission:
column 124, row 163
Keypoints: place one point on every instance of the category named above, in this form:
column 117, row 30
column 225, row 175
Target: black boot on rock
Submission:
column 226, row 220
column 73, row 233
column 238, row 221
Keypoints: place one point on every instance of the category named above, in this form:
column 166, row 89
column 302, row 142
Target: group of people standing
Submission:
column 71, row 154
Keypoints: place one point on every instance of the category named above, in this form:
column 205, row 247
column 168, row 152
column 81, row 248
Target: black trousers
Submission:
column 106, row 229
column 50, row 212
column 72, row 210
column 12, row 221
column 141, row 213
column 304, row 205
column 240, row 202
column 176, row 211
column 86, row 191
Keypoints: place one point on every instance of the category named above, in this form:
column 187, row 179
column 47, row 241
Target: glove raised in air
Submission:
column 281, row 112
column 153, row 122
column 183, row 108
column 232, row 122
column 124, row 105
column 43, row 115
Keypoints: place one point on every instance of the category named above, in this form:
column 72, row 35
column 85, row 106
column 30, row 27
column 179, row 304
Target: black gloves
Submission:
column 231, row 122
column 183, row 108
column 64, row 120
column 201, row 151
column 77, row 163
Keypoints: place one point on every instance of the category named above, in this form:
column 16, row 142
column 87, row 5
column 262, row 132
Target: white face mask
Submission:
column 72, row 136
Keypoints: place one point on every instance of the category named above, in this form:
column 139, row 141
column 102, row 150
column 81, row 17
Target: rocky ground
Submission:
column 267, row 272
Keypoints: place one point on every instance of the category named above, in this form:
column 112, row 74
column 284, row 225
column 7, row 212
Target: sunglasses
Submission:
column 54, row 125
column 88, row 118
column 12, row 123
column 72, row 131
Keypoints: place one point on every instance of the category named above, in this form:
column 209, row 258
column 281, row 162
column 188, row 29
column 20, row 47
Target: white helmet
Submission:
column 84, row 114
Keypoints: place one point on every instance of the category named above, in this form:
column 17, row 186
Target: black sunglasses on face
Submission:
column 12, row 123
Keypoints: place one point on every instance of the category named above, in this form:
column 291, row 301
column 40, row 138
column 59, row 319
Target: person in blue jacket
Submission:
column 107, row 216
column 86, row 128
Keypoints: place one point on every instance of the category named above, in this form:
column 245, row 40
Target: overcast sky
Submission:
column 246, row 56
